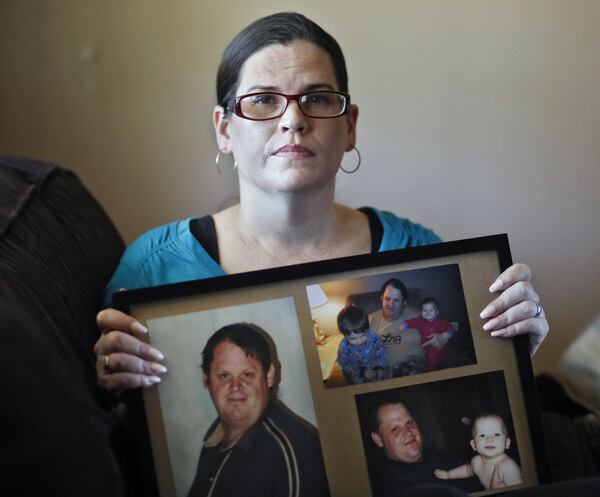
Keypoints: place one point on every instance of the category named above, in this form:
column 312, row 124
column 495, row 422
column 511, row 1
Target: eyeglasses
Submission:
column 265, row 106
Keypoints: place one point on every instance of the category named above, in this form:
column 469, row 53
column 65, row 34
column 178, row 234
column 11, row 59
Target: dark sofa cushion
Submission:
column 48, row 445
column 58, row 248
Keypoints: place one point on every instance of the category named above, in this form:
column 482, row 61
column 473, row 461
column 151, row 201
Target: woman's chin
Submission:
column 295, row 180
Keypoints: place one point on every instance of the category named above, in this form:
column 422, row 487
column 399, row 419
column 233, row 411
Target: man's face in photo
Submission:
column 392, row 303
column 238, row 386
column 398, row 434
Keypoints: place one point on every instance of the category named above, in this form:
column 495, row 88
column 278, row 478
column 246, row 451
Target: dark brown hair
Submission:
column 277, row 29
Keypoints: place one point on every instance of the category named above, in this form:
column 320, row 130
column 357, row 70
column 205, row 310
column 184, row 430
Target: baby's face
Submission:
column 490, row 438
column 357, row 338
column 429, row 311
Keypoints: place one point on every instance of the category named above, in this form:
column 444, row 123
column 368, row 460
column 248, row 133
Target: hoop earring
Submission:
column 218, row 157
column 352, row 171
column 217, row 161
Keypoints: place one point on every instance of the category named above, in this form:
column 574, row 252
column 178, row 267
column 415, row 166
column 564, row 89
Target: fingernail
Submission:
column 499, row 333
column 496, row 285
column 155, row 354
column 138, row 327
column 158, row 368
column 151, row 380
column 487, row 312
column 490, row 325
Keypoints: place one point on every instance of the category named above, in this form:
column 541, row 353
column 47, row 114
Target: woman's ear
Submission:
column 351, row 118
column 221, row 124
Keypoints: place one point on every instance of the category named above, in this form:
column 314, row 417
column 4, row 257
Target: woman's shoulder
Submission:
column 157, row 239
column 165, row 254
column 399, row 232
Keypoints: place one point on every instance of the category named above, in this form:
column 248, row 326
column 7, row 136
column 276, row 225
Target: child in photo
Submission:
column 361, row 353
column 493, row 467
column 435, row 332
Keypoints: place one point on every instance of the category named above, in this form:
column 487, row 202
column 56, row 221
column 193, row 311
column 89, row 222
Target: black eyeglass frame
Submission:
column 237, row 103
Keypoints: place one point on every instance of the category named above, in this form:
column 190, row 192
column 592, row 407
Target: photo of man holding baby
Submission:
column 457, row 432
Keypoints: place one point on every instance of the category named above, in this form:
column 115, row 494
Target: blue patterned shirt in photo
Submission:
column 355, row 360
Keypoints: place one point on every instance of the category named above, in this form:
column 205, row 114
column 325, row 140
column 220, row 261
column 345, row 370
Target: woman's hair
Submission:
column 277, row 29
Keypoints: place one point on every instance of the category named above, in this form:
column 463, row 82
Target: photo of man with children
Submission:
column 391, row 325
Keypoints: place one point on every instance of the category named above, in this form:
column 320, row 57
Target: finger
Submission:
column 516, row 272
column 126, row 363
column 122, row 381
column 518, row 292
column 518, row 312
column 117, row 341
column 537, row 328
column 112, row 319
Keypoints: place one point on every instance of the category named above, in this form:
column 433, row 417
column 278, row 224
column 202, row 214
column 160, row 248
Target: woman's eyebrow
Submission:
column 307, row 88
column 261, row 88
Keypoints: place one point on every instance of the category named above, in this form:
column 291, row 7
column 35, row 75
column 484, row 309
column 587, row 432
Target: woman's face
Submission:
column 292, row 153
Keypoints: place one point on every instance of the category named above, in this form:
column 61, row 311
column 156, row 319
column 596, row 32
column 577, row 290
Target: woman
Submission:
column 284, row 114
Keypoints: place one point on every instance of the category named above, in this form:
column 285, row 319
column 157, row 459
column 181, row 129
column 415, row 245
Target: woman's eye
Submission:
column 223, row 376
column 248, row 375
column 263, row 99
column 319, row 99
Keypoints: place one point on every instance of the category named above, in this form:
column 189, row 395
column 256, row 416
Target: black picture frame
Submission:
column 479, row 261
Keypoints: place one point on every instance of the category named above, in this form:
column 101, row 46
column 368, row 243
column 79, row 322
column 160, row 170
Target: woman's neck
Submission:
column 277, row 229
column 293, row 219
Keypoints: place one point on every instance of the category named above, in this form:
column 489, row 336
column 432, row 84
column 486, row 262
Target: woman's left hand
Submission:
column 517, row 309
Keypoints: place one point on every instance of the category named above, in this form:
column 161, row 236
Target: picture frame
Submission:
column 298, row 308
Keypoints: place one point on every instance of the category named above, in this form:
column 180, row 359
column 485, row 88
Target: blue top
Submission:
column 171, row 253
column 355, row 360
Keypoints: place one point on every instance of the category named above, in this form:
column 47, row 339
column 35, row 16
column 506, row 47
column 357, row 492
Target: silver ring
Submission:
column 107, row 367
column 538, row 310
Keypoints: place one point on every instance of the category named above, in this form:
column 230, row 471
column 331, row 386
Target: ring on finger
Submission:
column 538, row 310
column 107, row 367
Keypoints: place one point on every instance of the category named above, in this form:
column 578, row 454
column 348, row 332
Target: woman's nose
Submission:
column 293, row 119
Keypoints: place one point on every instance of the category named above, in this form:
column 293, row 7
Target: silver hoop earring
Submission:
column 352, row 171
column 218, row 157
column 217, row 161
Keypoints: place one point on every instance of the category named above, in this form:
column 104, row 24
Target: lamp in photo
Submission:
column 316, row 298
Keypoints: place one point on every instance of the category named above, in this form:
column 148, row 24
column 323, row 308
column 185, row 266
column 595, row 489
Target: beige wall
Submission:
column 477, row 117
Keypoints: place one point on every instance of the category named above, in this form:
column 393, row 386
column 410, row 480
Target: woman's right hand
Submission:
column 123, row 361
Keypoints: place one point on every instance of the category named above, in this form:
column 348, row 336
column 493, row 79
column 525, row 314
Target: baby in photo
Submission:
column 435, row 332
column 493, row 467
column 361, row 353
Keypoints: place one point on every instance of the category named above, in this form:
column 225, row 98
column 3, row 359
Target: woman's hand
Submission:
column 517, row 309
column 122, row 360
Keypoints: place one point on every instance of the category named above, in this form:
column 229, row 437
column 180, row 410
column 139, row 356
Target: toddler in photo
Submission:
column 361, row 353
column 435, row 332
column 493, row 467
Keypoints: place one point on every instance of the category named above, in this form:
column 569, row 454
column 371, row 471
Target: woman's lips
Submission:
column 294, row 151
